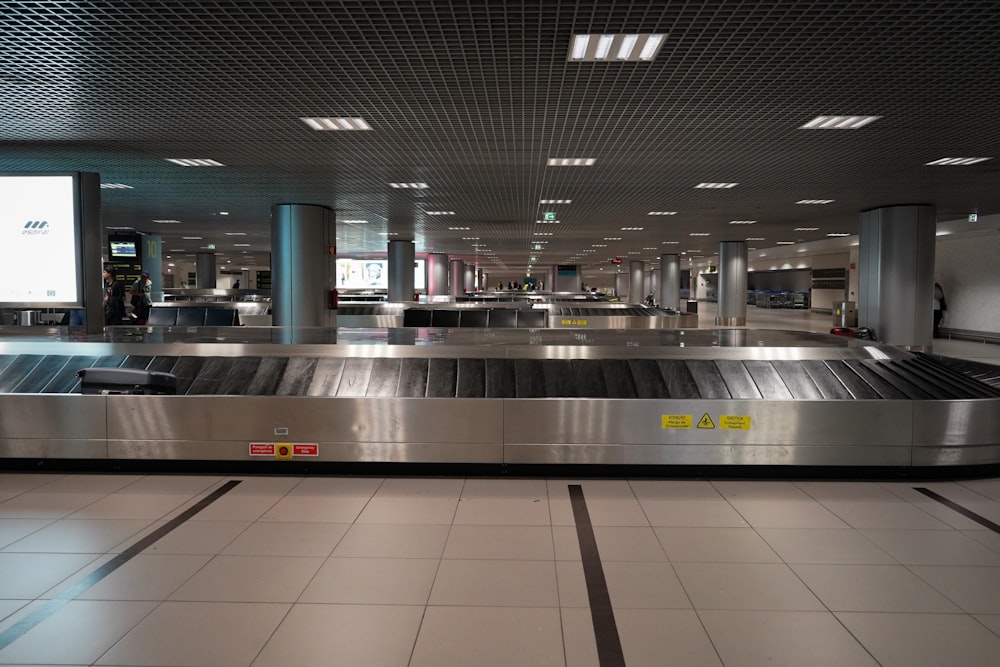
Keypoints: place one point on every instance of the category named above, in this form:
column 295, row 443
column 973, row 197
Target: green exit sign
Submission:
column 550, row 216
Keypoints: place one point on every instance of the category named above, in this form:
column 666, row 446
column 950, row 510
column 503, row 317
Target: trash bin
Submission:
column 692, row 306
column 845, row 314
column 27, row 318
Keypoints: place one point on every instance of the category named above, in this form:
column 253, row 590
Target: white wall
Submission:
column 970, row 276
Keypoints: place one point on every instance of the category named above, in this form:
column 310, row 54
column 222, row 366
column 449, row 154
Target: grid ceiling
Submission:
column 474, row 97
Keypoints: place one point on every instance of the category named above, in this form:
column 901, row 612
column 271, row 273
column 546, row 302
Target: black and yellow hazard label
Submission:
column 706, row 422
column 735, row 422
column 676, row 421
column 283, row 451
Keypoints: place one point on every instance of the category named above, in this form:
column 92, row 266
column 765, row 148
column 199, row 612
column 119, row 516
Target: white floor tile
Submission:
column 705, row 513
column 230, row 507
column 33, row 505
column 503, row 511
column 748, row 586
column 400, row 581
column 326, row 634
column 195, row 634
column 516, row 489
column 881, row 514
column 924, row 640
column 626, row 543
column 399, row 509
column 249, row 579
column 375, row 540
column 146, row 577
column 287, row 539
column 826, row 545
column 975, row 589
column 27, row 576
column 199, row 537
column 500, row 542
column 88, row 483
column 765, row 638
column 12, row 530
column 872, row 588
column 317, row 509
column 495, row 583
column 932, row 547
column 489, row 637
column 337, row 486
column 787, row 513
column 715, row 545
column 175, row 484
column 646, row 489
column 79, row 536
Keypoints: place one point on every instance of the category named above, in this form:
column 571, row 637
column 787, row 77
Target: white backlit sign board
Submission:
column 372, row 274
column 40, row 243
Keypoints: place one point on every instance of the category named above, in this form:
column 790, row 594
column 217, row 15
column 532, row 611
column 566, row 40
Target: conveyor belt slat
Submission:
column 139, row 361
column 298, row 376
column 648, row 379
column 40, row 375
column 829, row 382
column 16, row 370
column 326, row 377
column 385, row 377
column 589, row 378
column 902, row 380
column 882, row 387
column 529, row 380
column 618, row 378
column 798, row 382
column 500, row 381
column 65, row 380
column 737, row 379
column 357, row 374
column 268, row 376
column 237, row 380
column 412, row 378
column 442, row 378
column 558, row 378
column 708, row 379
column 677, row 377
column 769, row 383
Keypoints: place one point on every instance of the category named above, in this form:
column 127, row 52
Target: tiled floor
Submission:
column 449, row 571
column 439, row 572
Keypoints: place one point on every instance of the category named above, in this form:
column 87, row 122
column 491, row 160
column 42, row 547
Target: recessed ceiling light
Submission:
column 612, row 238
column 662, row 213
column 755, row 238
column 355, row 222
column 599, row 245
column 470, row 238
column 546, row 222
column 615, row 47
column 806, row 229
column 459, row 229
column 838, row 122
column 241, row 245
column 571, row 162
column 119, row 228
column 543, row 234
column 649, row 248
column 958, row 161
column 115, row 186
column 388, row 233
column 784, row 243
column 191, row 238
column 838, row 234
column 814, row 201
column 167, row 222
column 716, row 186
column 236, row 233
column 743, row 222
column 223, row 212
column 320, row 123
column 409, row 186
column 699, row 234
column 632, row 229
column 670, row 242
column 440, row 213
column 555, row 201
column 195, row 162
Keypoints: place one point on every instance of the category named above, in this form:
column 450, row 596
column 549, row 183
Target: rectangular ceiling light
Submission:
column 814, row 201
column 806, row 229
column 355, row 222
column 440, row 213
column 241, row 245
column 167, row 222
column 555, row 201
column 195, row 162
column 699, row 234
column 632, row 47
column 785, row 243
column 716, row 186
column 743, row 222
column 458, row 229
column 236, row 233
column 546, row 222
column 958, row 161
column 115, row 186
column 755, row 238
column 318, row 123
column 838, row 122
column 409, row 186
column 571, row 162
column 662, row 213
column 838, row 234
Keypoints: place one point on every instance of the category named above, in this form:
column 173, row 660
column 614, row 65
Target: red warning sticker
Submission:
column 261, row 449
column 305, row 449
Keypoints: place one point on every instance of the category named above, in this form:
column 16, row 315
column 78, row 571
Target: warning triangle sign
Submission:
column 706, row 422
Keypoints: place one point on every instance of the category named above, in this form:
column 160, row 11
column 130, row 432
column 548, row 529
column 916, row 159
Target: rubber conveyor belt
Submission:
column 918, row 377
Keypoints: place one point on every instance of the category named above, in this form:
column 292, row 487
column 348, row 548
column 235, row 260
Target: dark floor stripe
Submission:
column 609, row 645
column 17, row 630
column 961, row 510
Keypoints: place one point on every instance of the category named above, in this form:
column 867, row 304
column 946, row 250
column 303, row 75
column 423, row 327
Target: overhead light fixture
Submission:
column 546, row 222
column 241, row 245
column 612, row 238
column 321, row 123
column 716, row 186
column 555, row 201
column 785, row 243
column 806, row 229
column 195, row 162
column 838, row 122
column 191, row 238
column 624, row 48
column 755, row 238
column 458, row 229
column 743, row 222
column 957, row 161
column 632, row 229
column 223, row 212
column 599, row 245
column 699, row 234
column 115, row 186
column 409, row 186
column 571, row 162
column 440, row 213
column 814, row 201
column 662, row 213
column 838, row 234
column 167, row 222
column 119, row 228
column 543, row 234
column 236, row 233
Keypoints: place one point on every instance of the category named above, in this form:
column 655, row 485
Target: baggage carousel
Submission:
column 504, row 397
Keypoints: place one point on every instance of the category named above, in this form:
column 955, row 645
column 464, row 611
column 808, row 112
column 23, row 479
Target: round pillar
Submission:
column 670, row 281
column 457, row 277
column 303, row 265
column 400, row 271
column 732, row 284
column 205, row 270
column 636, row 281
column 437, row 274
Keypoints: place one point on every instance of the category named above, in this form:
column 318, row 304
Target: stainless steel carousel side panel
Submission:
column 693, row 432
column 53, row 426
column 956, row 432
column 343, row 429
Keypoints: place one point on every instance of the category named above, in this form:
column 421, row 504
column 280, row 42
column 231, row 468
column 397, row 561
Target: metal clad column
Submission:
column 670, row 285
column 401, row 255
column 92, row 287
column 437, row 274
column 470, row 278
column 654, row 284
column 205, row 270
column 636, row 281
column 457, row 277
column 732, row 284
column 621, row 285
column 896, row 281
column 302, row 265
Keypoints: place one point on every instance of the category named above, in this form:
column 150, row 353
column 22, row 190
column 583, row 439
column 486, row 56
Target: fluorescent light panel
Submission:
column 662, row 213
column 806, row 229
column 355, row 222
column 743, row 222
column 167, row 222
column 839, row 122
column 632, row 47
column 838, row 234
column 814, row 201
column 546, row 222
column 409, row 186
column 957, row 161
column 325, row 123
column 555, row 201
column 699, row 234
column 440, row 213
column 716, row 186
column 571, row 162
column 632, row 229
column 195, row 162
column 115, row 186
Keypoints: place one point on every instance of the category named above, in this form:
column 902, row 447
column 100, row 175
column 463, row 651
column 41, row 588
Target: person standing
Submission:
column 141, row 302
column 939, row 307
column 114, row 299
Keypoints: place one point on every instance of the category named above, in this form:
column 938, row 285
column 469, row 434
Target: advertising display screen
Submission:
column 40, row 241
column 372, row 273
column 123, row 249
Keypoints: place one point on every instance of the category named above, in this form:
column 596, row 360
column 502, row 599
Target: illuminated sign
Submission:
column 372, row 274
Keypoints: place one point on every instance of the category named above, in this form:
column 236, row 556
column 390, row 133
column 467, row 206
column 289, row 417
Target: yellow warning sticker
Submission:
column 706, row 422
column 677, row 421
column 735, row 422
column 574, row 323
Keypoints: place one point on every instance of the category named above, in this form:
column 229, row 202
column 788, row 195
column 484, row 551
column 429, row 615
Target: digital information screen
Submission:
column 123, row 249
column 372, row 273
column 40, row 244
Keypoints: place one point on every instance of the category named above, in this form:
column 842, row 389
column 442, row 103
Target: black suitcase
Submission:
column 125, row 381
